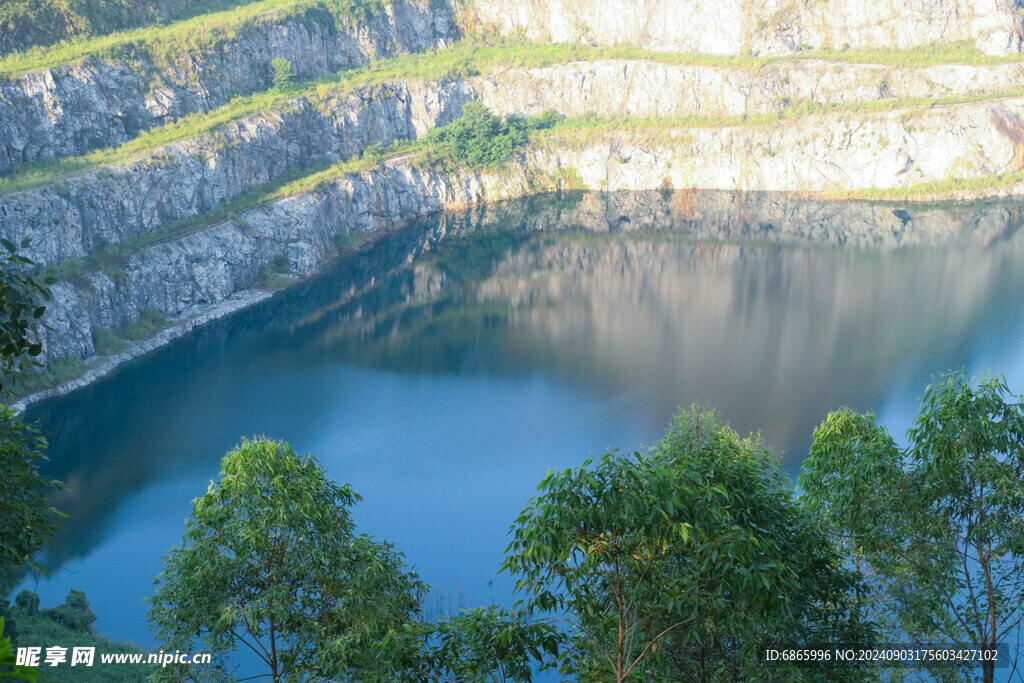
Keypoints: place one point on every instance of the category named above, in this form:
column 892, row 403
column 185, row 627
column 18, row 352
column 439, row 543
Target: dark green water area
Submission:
column 444, row 368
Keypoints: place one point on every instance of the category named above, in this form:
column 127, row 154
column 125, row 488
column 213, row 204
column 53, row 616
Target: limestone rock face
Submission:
column 760, row 27
column 74, row 108
column 187, row 275
column 75, row 217
column 619, row 87
column 830, row 152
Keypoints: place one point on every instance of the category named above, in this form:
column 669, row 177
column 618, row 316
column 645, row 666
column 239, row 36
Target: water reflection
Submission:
column 444, row 368
column 773, row 326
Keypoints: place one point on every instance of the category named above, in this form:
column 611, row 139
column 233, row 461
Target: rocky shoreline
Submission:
column 103, row 365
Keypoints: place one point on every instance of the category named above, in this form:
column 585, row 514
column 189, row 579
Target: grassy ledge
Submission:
column 111, row 260
column 572, row 133
column 163, row 43
column 941, row 190
column 577, row 132
column 468, row 58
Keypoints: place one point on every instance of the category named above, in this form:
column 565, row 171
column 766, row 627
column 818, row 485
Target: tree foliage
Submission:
column 22, row 293
column 271, row 562
column 680, row 563
column 938, row 525
column 27, row 521
column 9, row 669
column 488, row 644
column 480, row 140
column 69, row 625
column 281, row 73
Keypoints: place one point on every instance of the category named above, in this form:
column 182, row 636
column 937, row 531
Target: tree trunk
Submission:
column 988, row 669
column 276, row 676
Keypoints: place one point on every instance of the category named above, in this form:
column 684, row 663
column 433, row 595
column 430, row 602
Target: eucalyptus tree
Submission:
column 488, row 644
column 23, row 292
column 937, row 526
column 271, row 562
column 27, row 521
column 682, row 563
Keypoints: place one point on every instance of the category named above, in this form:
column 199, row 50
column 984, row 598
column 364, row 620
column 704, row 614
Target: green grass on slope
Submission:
column 47, row 22
column 163, row 43
column 111, row 259
column 938, row 190
column 580, row 131
column 205, row 30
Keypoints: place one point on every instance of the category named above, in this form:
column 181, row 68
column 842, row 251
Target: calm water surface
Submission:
column 444, row 369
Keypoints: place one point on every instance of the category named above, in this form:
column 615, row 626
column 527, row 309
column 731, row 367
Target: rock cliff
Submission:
column 187, row 276
column 832, row 152
column 733, row 27
column 77, row 107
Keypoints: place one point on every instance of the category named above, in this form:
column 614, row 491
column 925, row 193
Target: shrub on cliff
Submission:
column 281, row 73
column 480, row 140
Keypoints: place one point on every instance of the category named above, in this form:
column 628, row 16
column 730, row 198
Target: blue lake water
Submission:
column 443, row 369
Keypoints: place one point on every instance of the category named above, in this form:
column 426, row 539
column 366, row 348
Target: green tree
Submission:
column 488, row 644
column 282, row 73
column 27, row 521
column 271, row 562
column 22, row 293
column 9, row 670
column 937, row 525
column 682, row 562
column 74, row 613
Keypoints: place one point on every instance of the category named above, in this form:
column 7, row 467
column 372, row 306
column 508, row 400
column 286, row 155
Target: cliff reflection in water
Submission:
column 772, row 309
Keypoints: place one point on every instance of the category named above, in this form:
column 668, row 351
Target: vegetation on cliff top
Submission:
column 28, row 23
column 162, row 44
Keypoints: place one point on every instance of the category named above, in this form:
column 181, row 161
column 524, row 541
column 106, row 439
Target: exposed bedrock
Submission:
column 77, row 107
column 831, row 152
column 760, row 27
